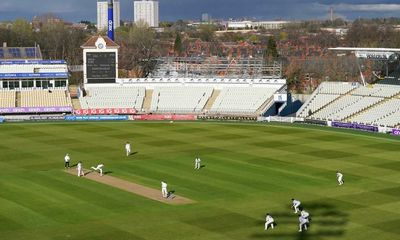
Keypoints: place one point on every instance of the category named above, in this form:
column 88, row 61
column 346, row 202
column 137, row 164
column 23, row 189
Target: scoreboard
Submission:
column 101, row 67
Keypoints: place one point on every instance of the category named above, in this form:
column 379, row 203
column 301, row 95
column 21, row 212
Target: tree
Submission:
column 283, row 36
column 207, row 32
column 254, row 39
column 271, row 48
column 139, row 50
column 178, row 45
column 22, row 33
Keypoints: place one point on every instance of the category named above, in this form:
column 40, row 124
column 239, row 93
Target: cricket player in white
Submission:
column 303, row 223
column 99, row 168
column 66, row 160
column 197, row 163
column 295, row 204
column 304, row 214
column 269, row 221
column 128, row 148
column 164, row 190
column 80, row 169
column 339, row 176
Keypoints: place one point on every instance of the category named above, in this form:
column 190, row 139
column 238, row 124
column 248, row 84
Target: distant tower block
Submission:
column 102, row 14
column 331, row 13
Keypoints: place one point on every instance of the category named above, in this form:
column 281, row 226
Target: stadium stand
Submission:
column 113, row 97
column 44, row 98
column 347, row 106
column 377, row 90
column 372, row 105
column 185, row 95
column 385, row 114
column 180, row 99
column 336, row 87
column 326, row 93
column 7, row 99
column 391, row 120
column 240, row 100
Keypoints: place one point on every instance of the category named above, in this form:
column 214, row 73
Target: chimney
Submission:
column 4, row 44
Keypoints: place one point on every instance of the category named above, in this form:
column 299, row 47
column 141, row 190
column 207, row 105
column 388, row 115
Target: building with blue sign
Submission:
column 24, row 68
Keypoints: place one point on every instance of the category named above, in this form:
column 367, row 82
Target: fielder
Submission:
column 304, row 214
column 128, row 148
column 66, row 160
column 79, row 168
column 197, row 163
column 339, row 176
column 164, row 190
column 269, row 221
column 99, row 168
column 302, row 223
column 295, row 205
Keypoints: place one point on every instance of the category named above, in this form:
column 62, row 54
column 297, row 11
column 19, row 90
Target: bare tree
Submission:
column 139, row 49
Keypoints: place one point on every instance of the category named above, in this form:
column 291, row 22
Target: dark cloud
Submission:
column 75, row 10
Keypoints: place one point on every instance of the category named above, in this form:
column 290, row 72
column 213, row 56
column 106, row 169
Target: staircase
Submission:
column 18, row 99
column 73, row 91
column 147, row 100
column 265, row 106
column 211, row 100
column 75, row 103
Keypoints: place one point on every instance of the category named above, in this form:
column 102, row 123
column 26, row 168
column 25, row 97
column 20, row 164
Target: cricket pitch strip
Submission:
column 132, row 187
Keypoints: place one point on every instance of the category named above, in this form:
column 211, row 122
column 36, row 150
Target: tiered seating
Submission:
column 386, row 113
column 325, row 93
column 336, row 87
column 329, row 111
column 392, row 120
column 180, row 99
column 378, row 90
column 317, row 102
column 113, row 97
column 348, row 101
column 241, row 100
column 44, row 98
column 7, row 99
column 352, row 105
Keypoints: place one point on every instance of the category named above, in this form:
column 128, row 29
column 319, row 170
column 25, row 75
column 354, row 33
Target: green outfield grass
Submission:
column 250, row 169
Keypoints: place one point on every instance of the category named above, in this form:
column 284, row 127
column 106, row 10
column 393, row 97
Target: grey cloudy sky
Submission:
column 76, row 10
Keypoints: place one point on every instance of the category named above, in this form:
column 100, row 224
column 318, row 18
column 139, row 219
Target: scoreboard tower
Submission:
column 100, row 60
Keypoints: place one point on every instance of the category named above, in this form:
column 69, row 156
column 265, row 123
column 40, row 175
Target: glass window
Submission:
column 5, row 84
column 45, row 84
column 60, row 83
column 38, row 84
column 11, row 85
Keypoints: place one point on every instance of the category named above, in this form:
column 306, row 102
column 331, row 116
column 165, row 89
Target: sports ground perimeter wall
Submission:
column 345, row 125
column 173, row 117
column 396, row 132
